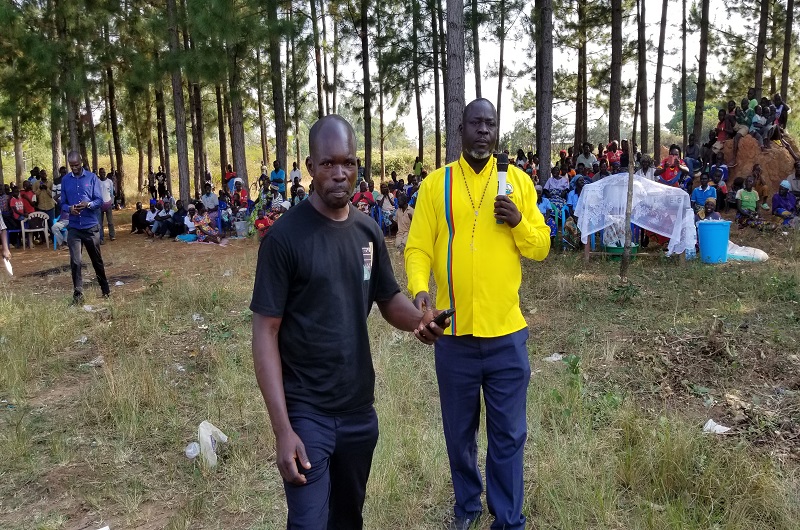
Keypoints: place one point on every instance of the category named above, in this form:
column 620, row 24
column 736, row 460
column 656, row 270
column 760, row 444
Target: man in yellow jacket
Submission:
column 476, row 266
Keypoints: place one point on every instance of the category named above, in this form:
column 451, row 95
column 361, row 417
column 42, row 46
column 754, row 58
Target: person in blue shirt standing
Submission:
column 278, row 178
column 80, row 194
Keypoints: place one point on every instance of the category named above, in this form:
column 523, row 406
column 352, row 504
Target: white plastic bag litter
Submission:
column 713, row 427
column 735, row 252
column 208, row 436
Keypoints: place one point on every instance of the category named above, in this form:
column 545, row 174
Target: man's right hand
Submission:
column 423, row 301
column 290, row 452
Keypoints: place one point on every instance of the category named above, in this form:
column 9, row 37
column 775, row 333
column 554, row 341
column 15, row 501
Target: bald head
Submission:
column 328, row 127
column 474, row 104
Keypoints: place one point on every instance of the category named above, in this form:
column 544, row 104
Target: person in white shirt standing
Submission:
column 295, row 173
column 107, row 208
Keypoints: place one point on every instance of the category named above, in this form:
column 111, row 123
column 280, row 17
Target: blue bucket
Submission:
column 713, row 237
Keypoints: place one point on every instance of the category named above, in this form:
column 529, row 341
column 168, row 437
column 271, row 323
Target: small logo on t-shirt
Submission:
column 367, row 252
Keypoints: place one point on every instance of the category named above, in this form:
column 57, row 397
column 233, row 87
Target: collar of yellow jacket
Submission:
column 467, row 170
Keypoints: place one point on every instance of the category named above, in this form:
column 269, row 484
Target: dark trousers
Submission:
column 88, row 238
column 500, row 366
column 340, row 451
column 109, row 216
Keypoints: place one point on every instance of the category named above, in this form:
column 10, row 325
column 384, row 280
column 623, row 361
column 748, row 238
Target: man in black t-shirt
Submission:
column 311, row 350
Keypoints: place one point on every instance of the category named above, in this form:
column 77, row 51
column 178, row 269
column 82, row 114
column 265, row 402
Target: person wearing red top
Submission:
column 671, row 168
column 27, row 193
column 243, row 197
column 20, row 207
column 363, row 199
column 613, row 153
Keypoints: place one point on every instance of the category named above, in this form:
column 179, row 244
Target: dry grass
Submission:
column 614, row 433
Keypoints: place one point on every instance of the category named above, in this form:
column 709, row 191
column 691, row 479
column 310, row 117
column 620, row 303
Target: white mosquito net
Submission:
column 658, row 208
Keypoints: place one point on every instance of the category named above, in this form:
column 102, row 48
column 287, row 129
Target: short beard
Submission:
column 479, row 155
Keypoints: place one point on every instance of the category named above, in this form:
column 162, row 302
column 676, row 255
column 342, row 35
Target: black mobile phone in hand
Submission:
column 441, row 317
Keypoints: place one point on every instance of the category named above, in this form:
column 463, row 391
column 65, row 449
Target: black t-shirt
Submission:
column 321, row 277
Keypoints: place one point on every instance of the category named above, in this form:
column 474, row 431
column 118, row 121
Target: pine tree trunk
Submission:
column 55, row 128
column 659, row 71
column 148, row 127
column 476, row 49
column 138, row 135
column 160, row 126
column 415, row 75
column 112, row 107
column 684, row 110
column 162, row 110
column 223, row 140
column 787, row 49
column 335, row 65
column 436, row 92
column 262, row 124
column 701, row 72
column 19, row 155
column 582, row 98
column 317, row 57
column 237, row 119
column 761, row 48
column 2, row 173
column 201, row 132
column 615, row 88
column 226, row 102
column 544, row 79
column 773, row 81
column 277, row 89
column 92, row 135
column 367, row 83
column 443, row 58
column 72, row 124
column 179, row 106
column 82, row 139
column 295, row 88
column 454, row 82
column 500, row 66
column 326, row 79
column 641, row 82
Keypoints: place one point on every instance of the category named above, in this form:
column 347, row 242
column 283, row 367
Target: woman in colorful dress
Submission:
column 202, row 224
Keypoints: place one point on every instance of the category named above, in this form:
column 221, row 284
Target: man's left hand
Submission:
column 506, row 211
column 428, row 332
column 6, row 253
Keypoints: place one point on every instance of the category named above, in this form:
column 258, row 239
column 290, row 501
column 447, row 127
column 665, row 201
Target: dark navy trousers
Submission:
column 500, row 366
column 340, row 450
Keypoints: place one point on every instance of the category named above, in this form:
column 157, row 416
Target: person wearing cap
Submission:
column 708, row 211
column 784, row 204
column 300, row 196
column 456, row 234
column 188, row 222
column 646, row 170
column 274, row 198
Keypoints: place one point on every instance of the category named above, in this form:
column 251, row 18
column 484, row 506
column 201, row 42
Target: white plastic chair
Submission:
column 26, row 230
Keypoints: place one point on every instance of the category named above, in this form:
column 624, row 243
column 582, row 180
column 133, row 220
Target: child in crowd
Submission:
column 404, row 215
column 262, row 224
column 758, row 126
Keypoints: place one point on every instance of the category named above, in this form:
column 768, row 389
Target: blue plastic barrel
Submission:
column 713, row 237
